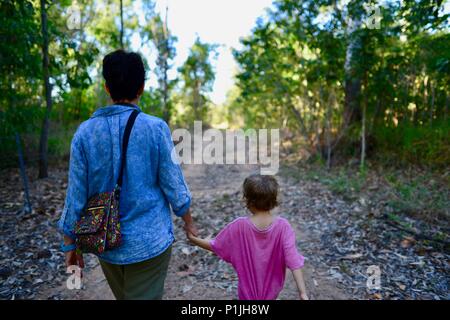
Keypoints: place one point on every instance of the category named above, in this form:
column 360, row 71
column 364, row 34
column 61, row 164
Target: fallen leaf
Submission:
column 352, row 256
column 186, row 288
column 401, row 286
column 407, row 242
column 377, row 296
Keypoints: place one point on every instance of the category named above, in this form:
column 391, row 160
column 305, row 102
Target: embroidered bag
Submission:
column 99, row 227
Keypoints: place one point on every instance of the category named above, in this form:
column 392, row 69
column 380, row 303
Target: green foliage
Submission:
column 164, row 42
column 297, row 62
column 421, row 145
column 198, row 77
column 19, row 53
column 76, row 48
column 20, row 65
column 151, row 102
column 292, row 73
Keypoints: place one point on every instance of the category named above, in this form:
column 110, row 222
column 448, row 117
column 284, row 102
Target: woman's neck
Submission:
column 135, row 101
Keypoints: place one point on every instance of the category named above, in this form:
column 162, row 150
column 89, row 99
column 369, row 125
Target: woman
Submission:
column 152, row 183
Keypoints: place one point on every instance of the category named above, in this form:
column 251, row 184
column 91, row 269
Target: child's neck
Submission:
column 261, row 219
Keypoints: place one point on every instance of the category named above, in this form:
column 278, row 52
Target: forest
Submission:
column 344, row 80
column 359, row 90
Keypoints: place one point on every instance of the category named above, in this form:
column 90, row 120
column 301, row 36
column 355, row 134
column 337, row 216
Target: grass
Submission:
column 417, row 193
column 340, row 181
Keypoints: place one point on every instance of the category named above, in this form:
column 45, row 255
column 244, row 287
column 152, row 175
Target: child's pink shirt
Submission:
column 260, row 257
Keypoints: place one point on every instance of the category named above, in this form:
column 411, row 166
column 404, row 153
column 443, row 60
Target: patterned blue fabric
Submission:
column 152, row 182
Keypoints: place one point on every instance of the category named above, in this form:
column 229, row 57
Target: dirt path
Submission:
column 341, row 238
column 196, row 274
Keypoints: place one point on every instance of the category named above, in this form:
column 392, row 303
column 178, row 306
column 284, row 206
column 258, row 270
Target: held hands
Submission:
column 191, row 230
column 190, row 235
column 189, row 226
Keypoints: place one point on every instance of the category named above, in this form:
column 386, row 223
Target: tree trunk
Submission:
column 424, row 100
column 446, row 107
column 197, row 103
column 352, row 110
column 43, row 145
column 328, row 129
column 121, row 24
column 166, row 114
column 433, row 96
column 363, row 123
column 299, row 118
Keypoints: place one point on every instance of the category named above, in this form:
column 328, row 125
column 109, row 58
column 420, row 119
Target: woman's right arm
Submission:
column 171, row 180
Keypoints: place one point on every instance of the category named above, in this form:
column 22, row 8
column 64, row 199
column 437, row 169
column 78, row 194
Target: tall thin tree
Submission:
column 166, row 69
column 43, row 145
column 352, row 108
column 121, row 24
column 164, row 43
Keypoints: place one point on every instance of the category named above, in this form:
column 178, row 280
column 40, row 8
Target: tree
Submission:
column 352, row 108
column 80, row 52
column 305, row 56
column 157, row 31
column 43, row 144
column 113, row 24
column 20, row 65
column 198, row 76
column 121, row 24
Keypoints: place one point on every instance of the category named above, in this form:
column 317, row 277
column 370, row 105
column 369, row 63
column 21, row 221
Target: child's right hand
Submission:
column 190, row 235
column 202, row 243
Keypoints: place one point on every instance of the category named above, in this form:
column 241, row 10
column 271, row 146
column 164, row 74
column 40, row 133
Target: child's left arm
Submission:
column 202, row 243
column 298, row 276
column 294, row 260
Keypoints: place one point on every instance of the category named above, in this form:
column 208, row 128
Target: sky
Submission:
column 222, row 22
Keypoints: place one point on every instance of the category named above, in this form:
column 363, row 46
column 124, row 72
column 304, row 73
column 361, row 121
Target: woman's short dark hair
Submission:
column 260, row 192
column 124, row 73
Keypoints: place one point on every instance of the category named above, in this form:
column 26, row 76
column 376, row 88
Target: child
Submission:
column 259, row 247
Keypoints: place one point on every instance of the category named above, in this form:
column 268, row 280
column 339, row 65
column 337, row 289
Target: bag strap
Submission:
column 126, row 138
